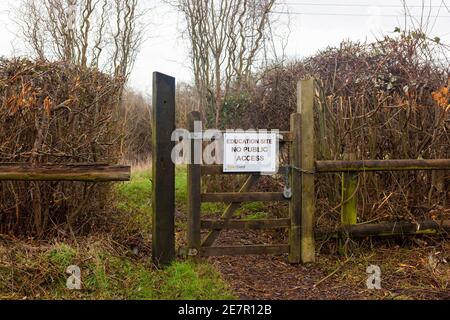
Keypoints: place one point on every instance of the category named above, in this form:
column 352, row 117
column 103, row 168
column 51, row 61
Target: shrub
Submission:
column 54, row 112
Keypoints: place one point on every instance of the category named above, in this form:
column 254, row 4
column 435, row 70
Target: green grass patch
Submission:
column 256, row 216
column 62, row 255
column 134, row 200
column 190, row 281
column 181, row 191
column 107, row 272
column 252, row 211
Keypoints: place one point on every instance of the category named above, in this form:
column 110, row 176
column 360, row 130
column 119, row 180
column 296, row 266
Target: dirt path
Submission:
column 269, row 277
column 407, row 270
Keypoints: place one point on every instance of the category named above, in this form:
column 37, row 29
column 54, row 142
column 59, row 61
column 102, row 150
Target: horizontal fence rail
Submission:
column 382, row 165
column 331, row 166
column 245, row 224
column 211, row 170
column 228, row 197
column 386, row 229
column 244, row 250
column 64, row 172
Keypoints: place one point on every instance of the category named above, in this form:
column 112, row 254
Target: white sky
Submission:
column 314, row 25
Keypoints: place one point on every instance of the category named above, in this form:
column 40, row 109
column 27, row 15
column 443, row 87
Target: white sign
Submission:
column 250, row 152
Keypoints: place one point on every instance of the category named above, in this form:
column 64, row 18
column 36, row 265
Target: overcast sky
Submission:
column 314, row 25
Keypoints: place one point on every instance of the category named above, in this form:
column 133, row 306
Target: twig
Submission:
column 332, row 273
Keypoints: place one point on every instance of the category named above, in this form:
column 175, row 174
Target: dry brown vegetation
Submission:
column 55, row 113
column 385, row 100
column 135, row 126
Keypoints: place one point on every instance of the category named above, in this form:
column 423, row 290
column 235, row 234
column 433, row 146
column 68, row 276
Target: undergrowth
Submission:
column 110, row 269
column 108, row 272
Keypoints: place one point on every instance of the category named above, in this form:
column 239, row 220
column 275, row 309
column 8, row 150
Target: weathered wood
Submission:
column 245, row 250
column 243, row 197
column 194, row 189
column 306, row 109
column 163, row 205
column 295, row 205
column 349, row 205
column 245, row 224
column 381, row 165
column 348, row 199
column 64, row 172
column 348, row 194
column 213, row 170
column 389, row 229
column 229, row 211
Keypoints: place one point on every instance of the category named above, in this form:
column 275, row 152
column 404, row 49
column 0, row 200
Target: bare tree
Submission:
column 103, row 34
column 226, row 39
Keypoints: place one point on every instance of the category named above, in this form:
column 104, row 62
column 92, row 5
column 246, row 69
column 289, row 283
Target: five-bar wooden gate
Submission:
column 301, row 238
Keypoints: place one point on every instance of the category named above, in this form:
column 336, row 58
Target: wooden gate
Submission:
column 300, row 142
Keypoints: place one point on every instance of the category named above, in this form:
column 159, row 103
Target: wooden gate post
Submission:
column 163, row 197
column 295, row 205
column 306, row 109
column 194, row 186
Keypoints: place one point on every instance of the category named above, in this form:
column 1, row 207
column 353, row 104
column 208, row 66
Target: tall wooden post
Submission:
column 163, row 205
column 306, row 109
column 194, row 186
column 295, row 205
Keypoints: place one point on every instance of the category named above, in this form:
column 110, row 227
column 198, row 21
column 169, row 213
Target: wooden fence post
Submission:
column 295, row 205
column 306, row 109
column 163, row 197
column 194, row 186
column 349, row 211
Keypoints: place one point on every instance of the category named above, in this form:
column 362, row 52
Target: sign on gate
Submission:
column 250, row 152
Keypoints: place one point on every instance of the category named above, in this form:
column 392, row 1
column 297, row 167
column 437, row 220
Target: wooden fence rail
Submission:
column 245, row 224
column 64, row 172
column 388, row 229
column 382, row 165
column 243, row 197
column 349, row 207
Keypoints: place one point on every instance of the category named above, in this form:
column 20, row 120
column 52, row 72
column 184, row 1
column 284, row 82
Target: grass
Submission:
column 109, row 269
column 134, row 199
column 181, row 192
column 107, row 272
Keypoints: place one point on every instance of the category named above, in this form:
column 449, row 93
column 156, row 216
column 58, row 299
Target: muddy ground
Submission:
column 417, row 268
